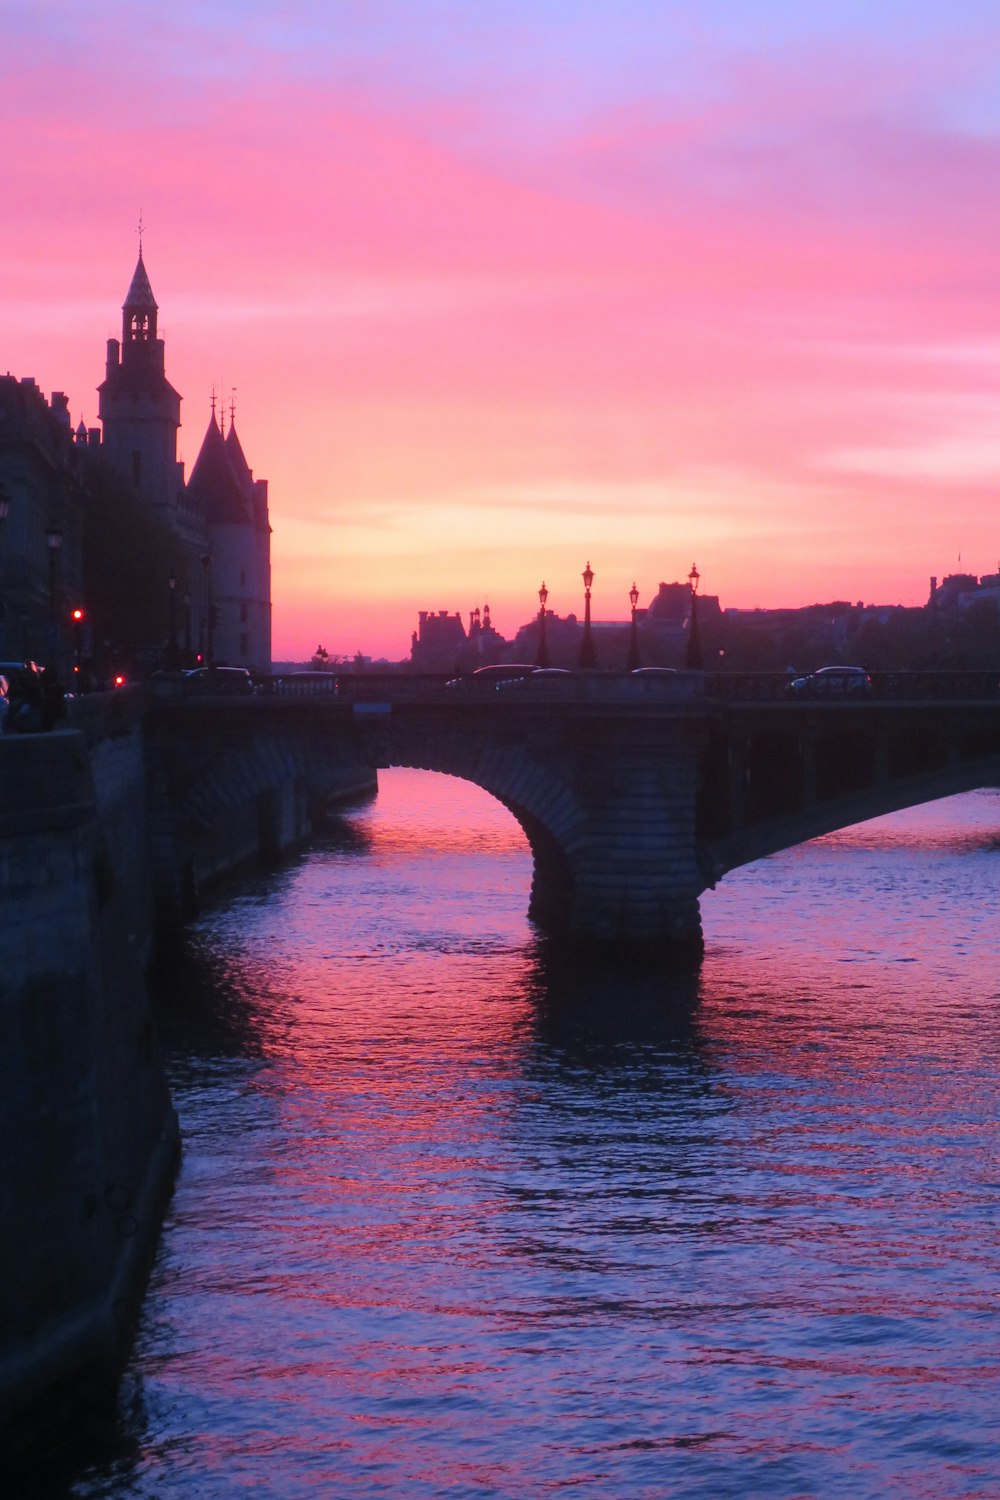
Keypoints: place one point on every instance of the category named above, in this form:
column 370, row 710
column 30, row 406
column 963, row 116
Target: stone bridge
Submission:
column 637, row 794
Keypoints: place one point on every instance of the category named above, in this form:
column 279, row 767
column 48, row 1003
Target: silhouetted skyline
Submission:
column 502, row 289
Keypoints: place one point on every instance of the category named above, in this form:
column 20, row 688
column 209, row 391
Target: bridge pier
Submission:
column 627, row 874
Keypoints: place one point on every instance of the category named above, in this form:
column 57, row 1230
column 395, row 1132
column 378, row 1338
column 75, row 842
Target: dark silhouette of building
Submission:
column 139, row 409
column 41, row 521
column 440, row 643
column 221, row 514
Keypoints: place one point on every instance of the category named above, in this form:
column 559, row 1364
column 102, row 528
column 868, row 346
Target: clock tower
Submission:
column 139, row 409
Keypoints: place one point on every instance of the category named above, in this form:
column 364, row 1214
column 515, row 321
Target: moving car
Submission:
column 534, row 682
column 306, row 683
column 227, row 680
column 487, row 679
column 831, row 682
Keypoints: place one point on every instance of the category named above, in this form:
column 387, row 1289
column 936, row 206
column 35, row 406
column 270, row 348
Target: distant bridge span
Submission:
column 636, row 795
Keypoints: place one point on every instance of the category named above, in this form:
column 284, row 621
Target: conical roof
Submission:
column 140, row 293
column 215, row 485
column 237, row 458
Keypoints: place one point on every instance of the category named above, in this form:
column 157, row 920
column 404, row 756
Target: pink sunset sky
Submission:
column 507, row 287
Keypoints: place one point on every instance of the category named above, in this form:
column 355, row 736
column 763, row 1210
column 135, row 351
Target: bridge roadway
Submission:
column 636, row 794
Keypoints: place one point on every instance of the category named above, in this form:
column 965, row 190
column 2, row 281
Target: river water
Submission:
column 461, row 1216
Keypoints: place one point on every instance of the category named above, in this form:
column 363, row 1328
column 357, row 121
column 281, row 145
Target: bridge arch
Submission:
column 812, row 817
column 536, row 797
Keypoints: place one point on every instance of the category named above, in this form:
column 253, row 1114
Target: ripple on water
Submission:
column 459, row 1216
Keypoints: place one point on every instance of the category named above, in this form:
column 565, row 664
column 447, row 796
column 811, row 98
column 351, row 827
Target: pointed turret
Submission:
column 254, row 489
column 139, row 308
column 238, row 458
column 214, row 484
column 232, row 507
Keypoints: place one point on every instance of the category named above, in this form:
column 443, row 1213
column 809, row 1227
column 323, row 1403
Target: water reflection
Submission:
column 460, row 1214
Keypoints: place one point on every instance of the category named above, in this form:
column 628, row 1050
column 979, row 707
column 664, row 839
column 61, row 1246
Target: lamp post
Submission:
column 633, row 637
column 542, row 658
column 588, row 656
column 206, row 563
column 53, row 541
column 4, row 513
column 692, row 657
column 187, row 629
column 172, row 639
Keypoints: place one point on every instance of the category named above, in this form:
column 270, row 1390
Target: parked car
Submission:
column 18, row 673
column 654, row 672
column 831, row 682
column 231, row 681
column 23, row 695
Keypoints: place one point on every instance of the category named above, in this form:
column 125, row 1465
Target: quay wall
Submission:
column 232, row 781
column 110, row 827
column 90, row 1137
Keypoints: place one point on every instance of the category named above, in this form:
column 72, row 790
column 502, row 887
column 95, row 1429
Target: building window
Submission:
column 243, row 614
column 244, row 644
column 136, row 467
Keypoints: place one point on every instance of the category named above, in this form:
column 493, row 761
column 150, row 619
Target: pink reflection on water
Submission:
column 455, row 1218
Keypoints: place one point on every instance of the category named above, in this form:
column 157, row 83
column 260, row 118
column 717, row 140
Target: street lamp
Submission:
column 633, row 639
column 4, row 513
column 187, row 629
column 588, row 656
column 206, row 563
column 172, row 641
column 692, row 657
column 542, row 659
column 53, row 541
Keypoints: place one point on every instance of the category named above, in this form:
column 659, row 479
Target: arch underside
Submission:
column 757, row 841
column 614, row 857
column 539, row 801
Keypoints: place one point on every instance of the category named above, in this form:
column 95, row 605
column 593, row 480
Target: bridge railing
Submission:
column 894, row 687
column 606, row 687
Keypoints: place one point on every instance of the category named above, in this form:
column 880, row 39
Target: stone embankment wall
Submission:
column 234, row 780
column 109, row 828
column 90, row 1138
